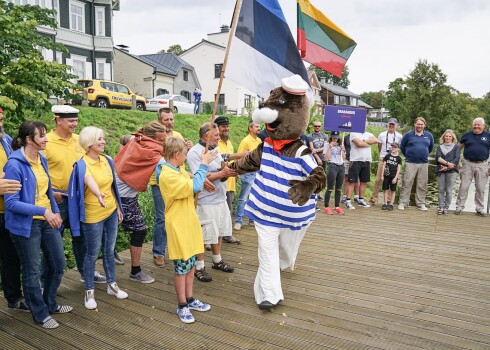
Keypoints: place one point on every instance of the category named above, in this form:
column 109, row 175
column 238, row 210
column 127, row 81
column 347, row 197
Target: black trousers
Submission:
column 10, row 266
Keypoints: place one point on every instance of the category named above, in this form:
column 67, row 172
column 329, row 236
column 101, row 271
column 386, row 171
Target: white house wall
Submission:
column 134, row 73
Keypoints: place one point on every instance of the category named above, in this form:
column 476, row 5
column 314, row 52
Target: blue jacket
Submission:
column 20, row 207
column 76, row 194
column 7, row 144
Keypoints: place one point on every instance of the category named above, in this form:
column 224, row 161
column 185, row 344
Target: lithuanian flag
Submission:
column 321, row 42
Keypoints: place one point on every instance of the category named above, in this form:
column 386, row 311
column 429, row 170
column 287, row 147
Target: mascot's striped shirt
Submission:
column 269, row 203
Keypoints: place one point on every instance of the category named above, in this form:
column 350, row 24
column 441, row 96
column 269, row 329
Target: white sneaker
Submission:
column 237, row 227
column 363, row 204
column 422, row 207
column 113, row 289
column 401, row 207
column 349, row 205
column 90, row 302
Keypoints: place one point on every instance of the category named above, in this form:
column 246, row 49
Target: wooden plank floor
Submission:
column 367, row 280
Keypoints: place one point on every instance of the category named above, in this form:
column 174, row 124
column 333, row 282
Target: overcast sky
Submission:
column 391, row 35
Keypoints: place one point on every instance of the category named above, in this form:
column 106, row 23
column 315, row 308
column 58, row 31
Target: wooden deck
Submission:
column 367, row 280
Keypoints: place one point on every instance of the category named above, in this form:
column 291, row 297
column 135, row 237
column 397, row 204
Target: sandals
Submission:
column 202, row 275
column 223, row 266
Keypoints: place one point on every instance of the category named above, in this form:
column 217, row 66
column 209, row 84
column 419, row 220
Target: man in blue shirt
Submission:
column 476, row 146
column 416, row 146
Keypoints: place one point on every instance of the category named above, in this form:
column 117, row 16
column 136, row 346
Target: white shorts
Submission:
column 215, row 221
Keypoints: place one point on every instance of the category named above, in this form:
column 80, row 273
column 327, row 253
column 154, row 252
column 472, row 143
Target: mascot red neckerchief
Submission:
column 282, row 201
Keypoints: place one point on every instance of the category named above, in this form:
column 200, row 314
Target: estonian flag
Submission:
column 263, row 50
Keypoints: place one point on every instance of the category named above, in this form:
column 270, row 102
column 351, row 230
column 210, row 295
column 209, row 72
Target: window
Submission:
column 186, row 94
column 42, row 3
column 247, row 100
column 122, row 89
column 99, row 21
column 79, row 68
column 77, row 16
column 100, row 70
column 217, row 70
column 221, row 102
column 162, row 91
column 186, row 75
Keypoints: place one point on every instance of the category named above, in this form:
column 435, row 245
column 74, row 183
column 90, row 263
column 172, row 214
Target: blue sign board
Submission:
column 342, row 118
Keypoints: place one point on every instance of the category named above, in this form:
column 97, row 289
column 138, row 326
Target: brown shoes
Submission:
column 159, row 261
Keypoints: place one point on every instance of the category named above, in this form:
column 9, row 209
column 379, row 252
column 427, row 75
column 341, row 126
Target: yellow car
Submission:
column 109, row 94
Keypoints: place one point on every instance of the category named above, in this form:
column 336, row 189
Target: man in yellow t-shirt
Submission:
column 166, row 118
column 227, row 150
column 62, row 151
column 248, row 144
column 9, row 260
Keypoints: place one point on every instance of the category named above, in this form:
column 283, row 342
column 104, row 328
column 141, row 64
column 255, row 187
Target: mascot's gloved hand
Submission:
column 301, row 191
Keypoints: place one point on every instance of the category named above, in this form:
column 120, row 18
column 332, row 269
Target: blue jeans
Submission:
column 247, row 181
column 43, row 237
column 103, row 232
column 159, row 232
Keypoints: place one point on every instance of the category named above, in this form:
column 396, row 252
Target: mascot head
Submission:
column 286, row 112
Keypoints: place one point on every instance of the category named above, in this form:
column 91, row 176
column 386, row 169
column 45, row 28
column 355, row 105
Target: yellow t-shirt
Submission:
column 153, row 181
column 101, row 171
column 61, row 155
column 42, row 182
column 184, row 235
column 3, row 161
column 249, row 143
column 228, row 149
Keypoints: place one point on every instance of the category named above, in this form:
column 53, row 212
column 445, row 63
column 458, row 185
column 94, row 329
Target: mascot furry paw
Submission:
column 282, row 201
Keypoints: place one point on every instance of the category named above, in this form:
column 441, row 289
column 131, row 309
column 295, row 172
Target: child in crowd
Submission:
column 392, row 164
column 184, row 235
column 334, row 155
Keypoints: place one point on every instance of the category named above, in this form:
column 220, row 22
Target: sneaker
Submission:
column 356, row 199
column 113, row 289
column 159, row 261
column 231, row 239
column 458, row 211
column 481, row 213
column 49, row 323
column 199, row 306
column 185, row 315
column 63, row 309
column 328, row 211
column 440, row 211
column 20, row 305
column 384, row 207
column 401, row 207
column 390, row 207
column 349, row 205
column 89, row 301
column 422, row 207
column 339, row 211
column 343, row 200
column 141, row 277
column 237, row 227
column 117, row 259
column 98, row 278
column 363, row 204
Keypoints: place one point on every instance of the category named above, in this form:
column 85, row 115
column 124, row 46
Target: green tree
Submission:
column 175, row 49
column 484, row 107
column 423, row 92
column 26, row 79
column 375, row 99
column 343, row 81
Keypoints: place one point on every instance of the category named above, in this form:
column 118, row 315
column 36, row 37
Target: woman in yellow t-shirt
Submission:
column 95, row 210
column 33, row 220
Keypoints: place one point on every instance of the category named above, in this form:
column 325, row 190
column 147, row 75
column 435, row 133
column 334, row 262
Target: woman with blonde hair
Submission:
column 95, row 209
column 447, row 157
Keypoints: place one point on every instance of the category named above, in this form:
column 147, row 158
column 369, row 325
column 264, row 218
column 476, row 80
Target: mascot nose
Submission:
column 261, row 105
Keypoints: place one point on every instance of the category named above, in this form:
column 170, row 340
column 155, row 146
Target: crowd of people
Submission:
column 59, row 180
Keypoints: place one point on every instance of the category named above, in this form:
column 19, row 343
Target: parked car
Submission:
column 181, row 104
column 109, row 94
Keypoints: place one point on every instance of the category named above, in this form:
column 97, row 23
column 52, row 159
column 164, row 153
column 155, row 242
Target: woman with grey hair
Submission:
column 447, row 156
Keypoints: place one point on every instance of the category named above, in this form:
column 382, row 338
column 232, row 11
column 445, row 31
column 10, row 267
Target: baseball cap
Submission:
column 393, row 121
column 335, row 134
column 64, row 111
column 222, row 121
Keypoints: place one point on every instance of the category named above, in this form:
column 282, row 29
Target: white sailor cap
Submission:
column 64, row 111
column 294, row 85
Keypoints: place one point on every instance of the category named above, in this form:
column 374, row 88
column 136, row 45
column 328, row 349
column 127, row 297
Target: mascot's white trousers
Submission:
column 278, row 248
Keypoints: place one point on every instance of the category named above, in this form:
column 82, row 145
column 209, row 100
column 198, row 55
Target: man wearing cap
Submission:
column 248, row 144
column 227, row 150
column 10, row 264
column 385, row 140
column 476, row 146
column 62, row 151
column 416, row 146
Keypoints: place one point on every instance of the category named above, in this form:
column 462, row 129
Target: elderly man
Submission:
column 476, row 145
column 166, row 118
column 227, row 150
column 416, row 146
column 10, row 264
column 212, row 209
column 62, row 151
column 248, row 144
column 385, row 140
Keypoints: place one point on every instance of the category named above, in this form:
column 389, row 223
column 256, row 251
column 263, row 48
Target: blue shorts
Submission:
column 183, row 267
